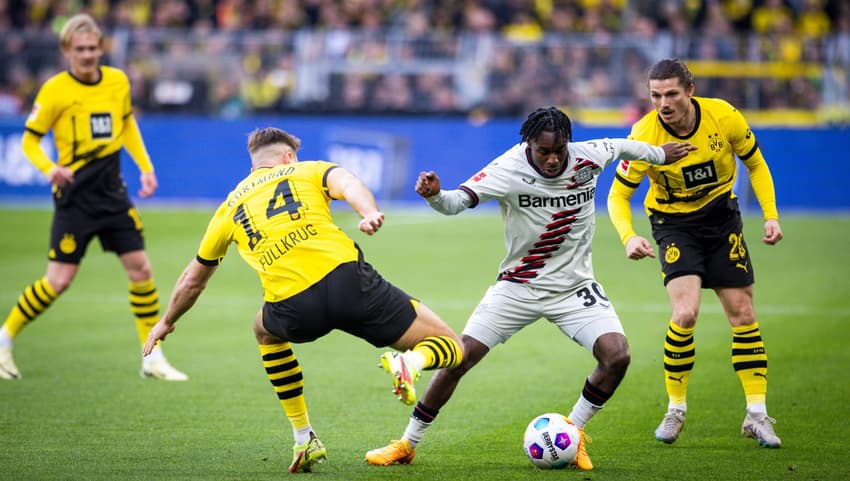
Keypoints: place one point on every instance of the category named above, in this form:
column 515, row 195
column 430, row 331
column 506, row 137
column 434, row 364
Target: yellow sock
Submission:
column 439, row 352
column 144, row 304
column 679, row 355
column 284, row 372
column 750, row 361
column 31, row 303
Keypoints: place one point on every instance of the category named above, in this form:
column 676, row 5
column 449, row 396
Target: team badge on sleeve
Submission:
column 33, row 112
column 623, row 167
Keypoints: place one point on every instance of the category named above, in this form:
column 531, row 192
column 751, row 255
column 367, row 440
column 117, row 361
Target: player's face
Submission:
column 83, row 55
column 671, row 100
column 549, row 153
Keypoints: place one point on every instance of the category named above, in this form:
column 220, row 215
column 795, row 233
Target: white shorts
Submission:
column 582, row 314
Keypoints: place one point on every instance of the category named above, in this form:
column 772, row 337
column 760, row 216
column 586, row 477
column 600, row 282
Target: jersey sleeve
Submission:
column 746, row 147
column 38, row 123
column 635, row 150
column 627, row 178
column 491, row 182
column 135, row 145
column 217, row 238
column 738, row 133
column 44, row 111
column 320, row 171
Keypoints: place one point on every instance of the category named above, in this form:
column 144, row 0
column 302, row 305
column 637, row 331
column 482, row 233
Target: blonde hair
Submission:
column 80, row 22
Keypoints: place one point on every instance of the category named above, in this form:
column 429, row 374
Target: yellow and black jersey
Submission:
column 281, row 222
column 720, row 133
column 90, row 124
column 87, row 119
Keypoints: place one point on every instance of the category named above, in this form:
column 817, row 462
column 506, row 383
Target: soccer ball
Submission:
column 550, row 442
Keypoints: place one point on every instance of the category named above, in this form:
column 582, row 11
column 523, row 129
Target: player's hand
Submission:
column 157, row 334
column 371, row 223
column 674, row 151
column 637, row 248
column 60, row 176
column 427, row 184
column 772, row 232
column 149, row 184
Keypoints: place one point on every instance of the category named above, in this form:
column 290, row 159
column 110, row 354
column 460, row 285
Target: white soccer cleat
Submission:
column 760, row 428
column 8, row 369
column 161, row 369
column 670, row 427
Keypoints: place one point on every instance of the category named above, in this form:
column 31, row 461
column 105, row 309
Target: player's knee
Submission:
column 60, row 284
column 685, row 317
column 141, row 271
column 612, row 353
column 619, row 361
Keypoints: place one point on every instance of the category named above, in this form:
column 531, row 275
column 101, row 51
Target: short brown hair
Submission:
column 260, row 138
column 671, row 68
column 80, row 22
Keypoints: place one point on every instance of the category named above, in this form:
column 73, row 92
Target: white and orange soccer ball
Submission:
column 551, row 442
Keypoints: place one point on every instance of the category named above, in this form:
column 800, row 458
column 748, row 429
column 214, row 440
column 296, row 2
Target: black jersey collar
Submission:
column 99, row 77
column 697, row 114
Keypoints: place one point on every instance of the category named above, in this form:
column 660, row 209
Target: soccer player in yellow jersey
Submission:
column 697, row 225
column 88, row 108
column 314, row 278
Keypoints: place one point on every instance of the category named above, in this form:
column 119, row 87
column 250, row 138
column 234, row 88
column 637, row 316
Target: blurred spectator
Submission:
column 230, row 57
column 770, row 16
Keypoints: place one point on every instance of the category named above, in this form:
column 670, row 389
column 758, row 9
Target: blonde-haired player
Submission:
column 88, row 109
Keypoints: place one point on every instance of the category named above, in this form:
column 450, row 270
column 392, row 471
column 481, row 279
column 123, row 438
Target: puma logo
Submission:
column 760, row 374
column 742, row 266
column 678, row 379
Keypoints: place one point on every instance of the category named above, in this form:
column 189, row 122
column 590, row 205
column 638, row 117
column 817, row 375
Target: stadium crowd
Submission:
column 231, row 57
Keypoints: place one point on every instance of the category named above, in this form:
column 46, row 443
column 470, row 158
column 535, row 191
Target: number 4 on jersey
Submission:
column 281, row 201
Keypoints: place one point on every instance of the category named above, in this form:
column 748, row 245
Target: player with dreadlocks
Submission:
column 545, row 187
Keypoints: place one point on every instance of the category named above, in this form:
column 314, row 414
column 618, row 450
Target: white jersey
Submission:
column 549, row 221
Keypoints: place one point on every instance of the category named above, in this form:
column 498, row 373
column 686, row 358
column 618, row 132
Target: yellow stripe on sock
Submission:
column 750, row 361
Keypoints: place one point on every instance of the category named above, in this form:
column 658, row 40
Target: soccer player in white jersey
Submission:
column 545, row 187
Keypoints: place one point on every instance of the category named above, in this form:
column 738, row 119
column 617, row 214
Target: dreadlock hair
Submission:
column 546, row 119
column 671, row 68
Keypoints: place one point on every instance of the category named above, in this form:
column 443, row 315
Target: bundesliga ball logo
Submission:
column 551, row 442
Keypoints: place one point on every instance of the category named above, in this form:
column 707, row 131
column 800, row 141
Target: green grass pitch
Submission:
column 81, row 412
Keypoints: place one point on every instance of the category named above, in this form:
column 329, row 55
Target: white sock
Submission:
column 757, row 408
column 5, row 339
column 680, row 407
column 302, row 435
column 154, row 356
column 415, row 431
column 583, row 411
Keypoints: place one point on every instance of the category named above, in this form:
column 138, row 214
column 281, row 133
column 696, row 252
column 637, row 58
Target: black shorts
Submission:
column 72, row 230
column 353, row 298
column 711, row 246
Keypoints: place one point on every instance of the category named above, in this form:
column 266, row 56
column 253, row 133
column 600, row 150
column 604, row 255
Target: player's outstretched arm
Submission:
column 344, row 185
column 189, row 287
